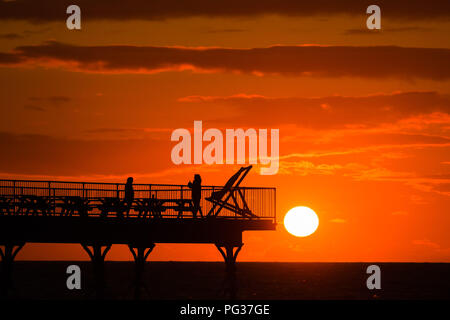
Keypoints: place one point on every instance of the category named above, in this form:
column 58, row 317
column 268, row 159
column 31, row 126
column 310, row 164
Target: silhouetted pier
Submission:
column 96, row 216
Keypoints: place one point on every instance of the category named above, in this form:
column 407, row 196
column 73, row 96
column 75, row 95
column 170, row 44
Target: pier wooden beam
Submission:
column 229, row 253
column 140, row 255
column 8, row 254
column 98, row 255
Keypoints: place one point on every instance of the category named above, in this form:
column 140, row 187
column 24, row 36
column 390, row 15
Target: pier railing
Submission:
column 32, row 197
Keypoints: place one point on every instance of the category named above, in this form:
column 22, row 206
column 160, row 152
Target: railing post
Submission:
column 275, row 205
column 14, row 195
column 54, row 201
column 84, row 191
column 21, row 193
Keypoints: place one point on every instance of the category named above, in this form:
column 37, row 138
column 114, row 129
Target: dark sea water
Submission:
column 205, row 280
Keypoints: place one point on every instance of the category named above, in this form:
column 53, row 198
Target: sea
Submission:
column 47, row 280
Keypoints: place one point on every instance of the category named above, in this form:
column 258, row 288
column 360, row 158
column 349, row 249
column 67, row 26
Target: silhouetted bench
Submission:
column 149, row 206
column 74, row 204
column 35, row 205
column 6, row 205
column 110, row 205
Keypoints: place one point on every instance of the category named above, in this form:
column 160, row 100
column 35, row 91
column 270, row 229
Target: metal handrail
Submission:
column 261, row 200
column 121, row 184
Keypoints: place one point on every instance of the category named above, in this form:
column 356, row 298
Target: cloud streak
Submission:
column 365, row 31
column 332, row 111
column 301, row 60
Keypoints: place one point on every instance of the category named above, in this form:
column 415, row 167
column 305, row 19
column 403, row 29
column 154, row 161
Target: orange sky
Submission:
column 364, row 117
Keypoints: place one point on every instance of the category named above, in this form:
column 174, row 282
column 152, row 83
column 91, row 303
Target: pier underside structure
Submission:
column 96, row 216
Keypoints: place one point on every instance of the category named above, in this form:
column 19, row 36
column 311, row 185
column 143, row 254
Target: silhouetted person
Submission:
column 196, row 187
column 129, row 195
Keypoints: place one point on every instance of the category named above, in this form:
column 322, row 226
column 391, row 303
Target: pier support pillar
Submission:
column 8, row 253
column 229, row 253
column 140, row 255
column 97, row 255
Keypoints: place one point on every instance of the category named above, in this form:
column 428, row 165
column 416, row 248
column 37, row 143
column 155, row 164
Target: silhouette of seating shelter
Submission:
column 231, row 191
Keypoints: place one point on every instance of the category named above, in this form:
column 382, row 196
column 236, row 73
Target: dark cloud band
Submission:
column 54, row 10
column 324, row 61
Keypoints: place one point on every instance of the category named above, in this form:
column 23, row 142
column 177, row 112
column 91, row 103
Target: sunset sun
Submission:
column 301, row 221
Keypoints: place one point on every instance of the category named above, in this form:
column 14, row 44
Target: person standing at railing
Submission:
column 129, row 195
column 196, row 187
